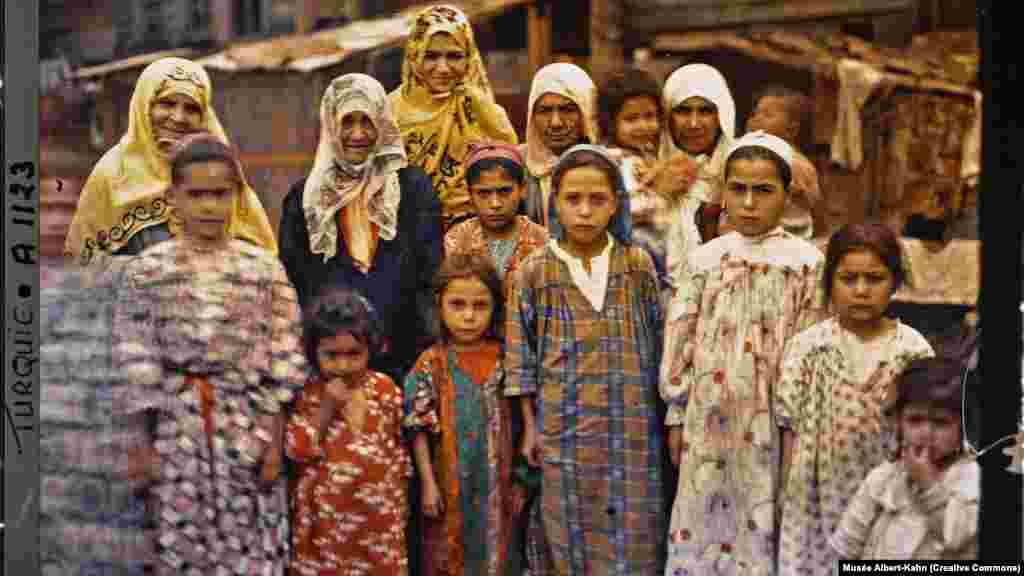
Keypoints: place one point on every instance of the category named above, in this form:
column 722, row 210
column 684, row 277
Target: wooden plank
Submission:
column 538, row 35
column 606, row 48
column 660, row 16
column 704, row 41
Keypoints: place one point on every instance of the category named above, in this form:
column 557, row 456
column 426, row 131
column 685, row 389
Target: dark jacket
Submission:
column 399, row 283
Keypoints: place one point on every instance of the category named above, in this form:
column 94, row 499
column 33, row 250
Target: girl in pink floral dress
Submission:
column 743, row 296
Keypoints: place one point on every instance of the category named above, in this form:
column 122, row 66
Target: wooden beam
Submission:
column 538, row 34
column 606, row 49
column 658, row 18
column 705, row 41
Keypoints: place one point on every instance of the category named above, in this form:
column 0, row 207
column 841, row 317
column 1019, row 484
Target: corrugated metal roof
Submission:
column 920, row 67
column 129, row 63
column 308, row 52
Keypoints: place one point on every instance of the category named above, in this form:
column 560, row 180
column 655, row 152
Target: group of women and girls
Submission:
column 585, row 365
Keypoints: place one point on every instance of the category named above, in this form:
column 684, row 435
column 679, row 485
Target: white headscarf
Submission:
column 708, row 83
column 762, row 139
column 334, row 183
column 568, row 81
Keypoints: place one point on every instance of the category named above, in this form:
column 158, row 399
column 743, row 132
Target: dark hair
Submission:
column 762, row 153
column 934, row 381
column 464, row 265
column 586, row 158
column 864, row 236
column 339, row 311
column 621, row 86
column 795, row 102
column 511, row 168
column 200, row 148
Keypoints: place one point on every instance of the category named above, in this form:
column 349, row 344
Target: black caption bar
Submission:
column 20, row 387
column 897, row 567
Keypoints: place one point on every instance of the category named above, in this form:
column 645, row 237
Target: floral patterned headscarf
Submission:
column 438, row 129
column 335, row 183
column 125, row 192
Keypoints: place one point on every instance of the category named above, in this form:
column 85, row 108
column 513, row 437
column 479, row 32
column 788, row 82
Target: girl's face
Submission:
column 466, row 309
column 754, row 195
column 862, row 286
column 694, row 124
column 444, row 63
column 174, row 116
column 637, row 124
column 342, row 356
column 358, row 137
column 929, row 431
column 496, row 195
column 586, row 202
column 204, row 199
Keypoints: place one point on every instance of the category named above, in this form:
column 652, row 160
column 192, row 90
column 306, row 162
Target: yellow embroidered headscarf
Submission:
column 125, row 192
column 437, row 129
column 568, row 81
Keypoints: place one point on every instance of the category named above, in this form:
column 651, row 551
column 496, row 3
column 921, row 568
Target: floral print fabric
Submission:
column 350, row 503
column 741, row 300
column 229, row 317
column 834, row 406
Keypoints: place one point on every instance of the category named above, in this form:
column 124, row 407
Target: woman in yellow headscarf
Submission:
column 122, row 209
column 445, row 103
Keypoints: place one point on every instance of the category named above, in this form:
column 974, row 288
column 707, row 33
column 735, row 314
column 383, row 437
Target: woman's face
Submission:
column 694, row 125
column 444, row 63
column 174, row 116
column 358, row 137
column 637, row 124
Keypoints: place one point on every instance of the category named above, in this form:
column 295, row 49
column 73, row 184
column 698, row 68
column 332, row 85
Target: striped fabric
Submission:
column 594, row 377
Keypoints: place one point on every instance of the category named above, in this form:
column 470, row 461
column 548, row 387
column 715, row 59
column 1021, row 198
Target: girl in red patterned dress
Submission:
column 350, row 502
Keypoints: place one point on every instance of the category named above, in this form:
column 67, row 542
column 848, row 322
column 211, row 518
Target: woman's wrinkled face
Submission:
column 358, row 137
column 559, row 122
column 637, row 124
column 174, row 116
column 444, row 63
column 695, row 126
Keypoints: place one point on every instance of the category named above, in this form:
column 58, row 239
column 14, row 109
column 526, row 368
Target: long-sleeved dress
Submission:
column 399, row 280
column 831, row 394
column 890, row 518
column 350, row 502
column 741, row 299
column 594, row 375
column 210, row 340
column 455, row 398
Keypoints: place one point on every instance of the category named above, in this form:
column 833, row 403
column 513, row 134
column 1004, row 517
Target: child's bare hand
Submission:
column 433, row 504
column 922, row 465
column 531, row 447
column 673, row 177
